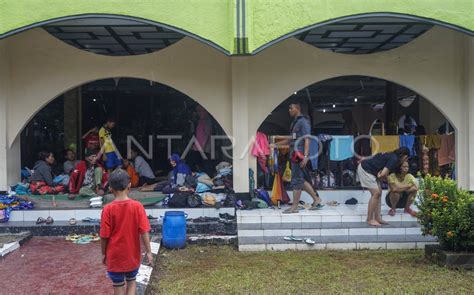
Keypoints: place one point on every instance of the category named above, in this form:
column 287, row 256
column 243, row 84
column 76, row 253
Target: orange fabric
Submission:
column 447, row 151
column 276, row 190
column 134, row 177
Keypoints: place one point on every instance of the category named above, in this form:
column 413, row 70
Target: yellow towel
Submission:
column 431, row 141
column 385, row 143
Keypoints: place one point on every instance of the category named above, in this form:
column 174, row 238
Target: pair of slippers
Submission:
column 295, row 239
column 83, row 239
column 48, row 220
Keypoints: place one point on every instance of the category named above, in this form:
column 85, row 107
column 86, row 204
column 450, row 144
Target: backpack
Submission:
column 179, row 200
column 263, row 195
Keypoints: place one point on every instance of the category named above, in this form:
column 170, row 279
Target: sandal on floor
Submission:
column 317, row 207
column 309, row 241
column 49, row 220
column 332, row 203
column 292, row 238
column 72, row 221
column 151, row 217
column 289, row 211
column 73, row 237
column 40, row 220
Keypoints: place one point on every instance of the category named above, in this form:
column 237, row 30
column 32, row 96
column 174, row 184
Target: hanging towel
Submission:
column 385, row 143
column 431, row 141
column 314, row 152
column 260, row 150
column 447, row 153
column 408, row 141
column 341, row 148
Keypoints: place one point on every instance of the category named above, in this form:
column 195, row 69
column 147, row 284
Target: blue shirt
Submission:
column 299, row 128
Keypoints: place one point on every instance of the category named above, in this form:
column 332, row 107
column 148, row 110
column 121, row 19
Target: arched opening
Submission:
column 377, row 115
column 151, row 118
column 365, row 33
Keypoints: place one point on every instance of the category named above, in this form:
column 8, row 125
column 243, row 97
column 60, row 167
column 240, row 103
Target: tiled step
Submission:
column 66, row 214
column 340, row 196
column 334, row 246
column 341, row 227
column 62, row 228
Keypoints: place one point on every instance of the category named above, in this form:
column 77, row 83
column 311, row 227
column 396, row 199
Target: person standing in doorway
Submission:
column 371, row 172
column 110, row 153
column 91, row 140
column 199, row 157
column 299, row 141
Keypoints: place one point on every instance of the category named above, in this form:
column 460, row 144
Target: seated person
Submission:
column 143, row 169
column 89, row 179
column 402, row 182
column 42, row 179
column 177, row 176
column 70, row 162
column 134, row 178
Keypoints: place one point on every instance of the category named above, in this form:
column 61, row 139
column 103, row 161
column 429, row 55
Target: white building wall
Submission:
column 42, row 67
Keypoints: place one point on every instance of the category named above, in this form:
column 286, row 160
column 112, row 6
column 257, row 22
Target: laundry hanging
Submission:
column 447, row 151
column 408, row 141
column 341, row 148
column 261, row 150
column 385, row 143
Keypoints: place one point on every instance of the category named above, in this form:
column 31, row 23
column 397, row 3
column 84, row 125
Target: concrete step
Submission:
column 341, row 227
column 66, row 214
column 340, row 196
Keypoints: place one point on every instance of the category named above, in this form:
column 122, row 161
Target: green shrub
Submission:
column 446, row 212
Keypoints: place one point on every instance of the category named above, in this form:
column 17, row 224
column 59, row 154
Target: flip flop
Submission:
column 289, row 211
column 151, row 217
column 292, row 238
column 332, row 203
column 40, row 220
column 309, row 241
column 317, row 207
column 73, row 237
column 83, row 240
column 49, row 220
column 95, row 199
column 72, row 221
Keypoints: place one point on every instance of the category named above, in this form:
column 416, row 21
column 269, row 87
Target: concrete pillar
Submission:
column 71, row 119
column 4, row 82
column 240, row 126
column 469, row 98
column 9, row 156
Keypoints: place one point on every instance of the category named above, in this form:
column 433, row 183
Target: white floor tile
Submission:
column 334, row 232
column 413, row 230
column 250, row 233
column 281, row 247
column 310, row 218
column 290, row 218
column 251, row 219
column 276, row 232
column 92, row 213
column 16, row 215
column 371, row 246
column 411, row 245
column 336, row 219
column 341, row 246
column 271, row 219
column 390, row 231
column 62, row 215
column 306, row 232
column 252, row 247
column 362, row 231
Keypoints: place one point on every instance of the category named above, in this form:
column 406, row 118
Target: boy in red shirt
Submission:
column 123, row 222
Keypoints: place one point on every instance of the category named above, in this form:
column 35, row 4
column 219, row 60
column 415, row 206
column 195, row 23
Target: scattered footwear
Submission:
column 72, row 221
column 227, row 216
column 292, row 238
column 317, row 207
column 290, row 211
column 392, row 212
column 92, row 220
column 332, row 203
column 71, row 196
column 49, row 220
column 40, row 220
column 309, row 241
column 151, row 217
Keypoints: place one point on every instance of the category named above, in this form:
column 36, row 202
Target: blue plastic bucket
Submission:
column 174, row 229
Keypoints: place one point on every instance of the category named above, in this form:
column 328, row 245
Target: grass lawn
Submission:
column 222, row 270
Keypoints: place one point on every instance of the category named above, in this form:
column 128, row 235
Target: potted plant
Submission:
column 447, row 212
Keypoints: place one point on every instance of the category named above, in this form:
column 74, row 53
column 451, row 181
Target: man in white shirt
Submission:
column 143, row 169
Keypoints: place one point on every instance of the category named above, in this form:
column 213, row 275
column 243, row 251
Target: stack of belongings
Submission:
column 9, row 203
column 96, row 202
